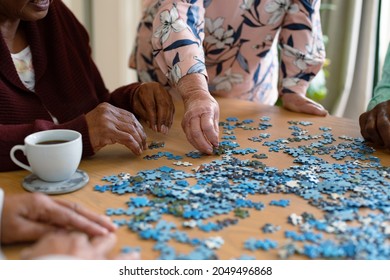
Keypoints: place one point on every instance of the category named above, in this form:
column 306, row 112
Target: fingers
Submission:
column 364, row 125
column 313, row 109
column 201, row 132
column 102, row 245
column 133, row 139
column 61, row 243
column 50, row 244
column 71, row 244
column 209, row 130
column 375, row 126
column 128, row 256
column 29, row 230
column 101, row 220
column 200, row 121
column 383, row 126
column 73, row 216
column 369, row 129
column 165, row 112
column 126, row 130
column 302, row 104
column 30, row 216
column 108, row 124
column 154, row 104
column 196, row 137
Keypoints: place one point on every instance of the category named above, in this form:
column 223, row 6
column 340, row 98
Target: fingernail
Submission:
column 164, row 129
column 114, row 225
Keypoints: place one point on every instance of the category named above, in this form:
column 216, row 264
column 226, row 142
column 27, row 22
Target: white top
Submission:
column 24, row 67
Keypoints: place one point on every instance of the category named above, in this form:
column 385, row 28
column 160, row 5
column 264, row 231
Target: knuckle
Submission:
column 38, row 198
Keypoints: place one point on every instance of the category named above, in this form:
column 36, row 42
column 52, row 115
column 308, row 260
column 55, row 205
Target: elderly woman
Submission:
column 48, row 81
column 206, row 48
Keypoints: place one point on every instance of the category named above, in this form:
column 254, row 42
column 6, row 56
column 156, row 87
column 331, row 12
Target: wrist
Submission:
column 133, row 92
column 193, row 84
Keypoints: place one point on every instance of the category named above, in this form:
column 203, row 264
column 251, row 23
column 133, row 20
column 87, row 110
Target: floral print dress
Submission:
column 234, row 43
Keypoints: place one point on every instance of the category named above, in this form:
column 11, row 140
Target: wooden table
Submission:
column 115, row 159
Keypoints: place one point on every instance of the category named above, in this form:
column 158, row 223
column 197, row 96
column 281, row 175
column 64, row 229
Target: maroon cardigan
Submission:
column 68, row 84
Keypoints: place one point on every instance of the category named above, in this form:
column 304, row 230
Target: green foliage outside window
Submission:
column 317, row 90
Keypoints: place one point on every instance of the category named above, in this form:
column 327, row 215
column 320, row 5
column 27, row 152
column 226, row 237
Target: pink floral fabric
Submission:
column 233, row 43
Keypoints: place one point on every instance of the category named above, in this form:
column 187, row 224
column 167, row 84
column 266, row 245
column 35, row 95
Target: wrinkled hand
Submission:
column 108, row 124
column 375, row 125
column 27, row 217
column 153, row 104
column 75, row 245
column 301, row 104
column 200, row 121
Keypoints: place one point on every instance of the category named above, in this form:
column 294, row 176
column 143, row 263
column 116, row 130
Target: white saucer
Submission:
column 33, row 184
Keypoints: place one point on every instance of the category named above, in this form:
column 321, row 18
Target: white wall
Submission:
column 112, row 26
column 79, row 8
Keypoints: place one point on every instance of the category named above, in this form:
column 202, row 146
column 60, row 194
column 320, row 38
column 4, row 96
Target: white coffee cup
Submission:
column 53, row 155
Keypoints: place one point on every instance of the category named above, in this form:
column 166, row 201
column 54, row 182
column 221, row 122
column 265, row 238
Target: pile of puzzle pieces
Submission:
column 224, row 186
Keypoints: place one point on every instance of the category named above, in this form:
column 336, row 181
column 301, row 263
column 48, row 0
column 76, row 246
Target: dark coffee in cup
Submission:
column 52, row 142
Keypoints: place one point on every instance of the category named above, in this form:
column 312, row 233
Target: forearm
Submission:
column 303, row 52
column 192, row 84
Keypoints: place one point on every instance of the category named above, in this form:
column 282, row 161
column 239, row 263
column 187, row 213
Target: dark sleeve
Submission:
column 122, row 97
column 77, row 41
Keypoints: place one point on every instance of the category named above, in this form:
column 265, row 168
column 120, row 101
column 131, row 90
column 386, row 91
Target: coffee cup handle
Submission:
column 15, row 160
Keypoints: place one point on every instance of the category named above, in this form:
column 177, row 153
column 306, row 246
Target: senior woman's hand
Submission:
column 108, row 124
column 301, row 104
column 27, row 217
column 375, row 125
column 153, row 104
column 77, row 245
column 201, row 117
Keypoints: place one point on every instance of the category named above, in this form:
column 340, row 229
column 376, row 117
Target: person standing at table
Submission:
column 63, row 229
column 375, row 123
column 48, row 80
column 228, row 48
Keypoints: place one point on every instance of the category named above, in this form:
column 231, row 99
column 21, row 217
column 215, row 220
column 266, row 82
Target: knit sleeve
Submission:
column 303, row 52
column 382, row 89
column 178, row 33
column 122, row 97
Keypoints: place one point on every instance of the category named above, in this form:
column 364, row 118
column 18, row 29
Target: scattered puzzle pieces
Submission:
column 224, row 184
